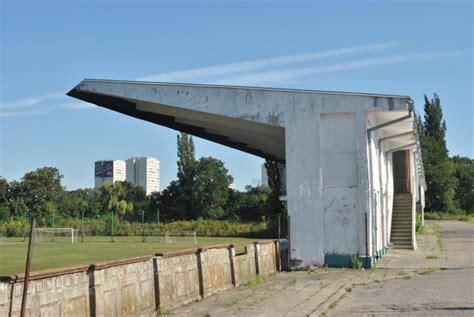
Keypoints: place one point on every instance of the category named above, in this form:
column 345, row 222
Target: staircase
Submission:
column 401, row 233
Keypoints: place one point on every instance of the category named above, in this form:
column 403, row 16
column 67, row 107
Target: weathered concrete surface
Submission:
column 449, row 291
column 341, row 292
column 336, row 169
column 139, row 286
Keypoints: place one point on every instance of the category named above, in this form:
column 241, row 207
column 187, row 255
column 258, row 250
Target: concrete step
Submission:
column 406, row 230
column 400, row 239
column 396, row 222
column 401, row 242
column 402, row 247
column 400, row 236
column 403, row 195
column 402, row 201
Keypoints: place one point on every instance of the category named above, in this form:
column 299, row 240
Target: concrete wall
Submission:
column 122, row 288
column 137, row 286
column 50, row 293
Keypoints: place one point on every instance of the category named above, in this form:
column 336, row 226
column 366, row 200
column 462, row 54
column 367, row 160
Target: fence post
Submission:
column 28, row 266
column 82, row 226
column 112, row 228
column 143, row 225
column 158, row 224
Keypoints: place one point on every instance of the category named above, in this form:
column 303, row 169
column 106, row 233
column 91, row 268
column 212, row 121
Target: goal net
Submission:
column 67, row 235
column 180, row 237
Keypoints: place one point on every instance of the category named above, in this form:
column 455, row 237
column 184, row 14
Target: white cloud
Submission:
column 78, row 106
column 29, row 101
column 22, row 113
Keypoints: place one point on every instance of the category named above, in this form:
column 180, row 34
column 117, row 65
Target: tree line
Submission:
column 449, row 180
column 202, row 190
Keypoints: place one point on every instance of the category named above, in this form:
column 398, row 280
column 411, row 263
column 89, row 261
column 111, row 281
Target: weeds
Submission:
column 356, row 263
column 166, row 312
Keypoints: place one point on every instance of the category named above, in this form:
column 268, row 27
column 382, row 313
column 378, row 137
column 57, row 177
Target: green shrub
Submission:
column 420, row 228
column 356, row 263
column 13, row 227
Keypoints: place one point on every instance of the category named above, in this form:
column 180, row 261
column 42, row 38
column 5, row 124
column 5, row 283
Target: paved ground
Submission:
column 436, row 280
column 445, row 292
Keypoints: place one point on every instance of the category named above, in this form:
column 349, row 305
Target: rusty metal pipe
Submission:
column 28, row 266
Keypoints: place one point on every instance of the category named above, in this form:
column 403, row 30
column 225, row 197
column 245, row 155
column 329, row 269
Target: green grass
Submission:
column 446, row 216
column 93, row 250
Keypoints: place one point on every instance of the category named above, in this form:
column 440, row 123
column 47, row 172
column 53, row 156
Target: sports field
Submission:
column 93, row 250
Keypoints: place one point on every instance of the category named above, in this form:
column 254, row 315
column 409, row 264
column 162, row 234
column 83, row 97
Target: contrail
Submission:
column 278, row 76
column 246, row 66
column 212, row 71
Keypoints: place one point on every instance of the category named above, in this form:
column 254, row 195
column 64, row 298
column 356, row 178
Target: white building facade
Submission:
column 338, row 150
column 145, row 172
column 108, row 171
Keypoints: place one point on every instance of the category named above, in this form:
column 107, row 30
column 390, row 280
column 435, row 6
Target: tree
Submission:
column 4, row 187
column 73, row 204
column 275, row 173
column 171, row 204
column 4, row 205
column 39, row 187
column 113, row 197
column 186, row 171
column 250, row 205
column 464, row 174
column 211, row 188
column 438, row 172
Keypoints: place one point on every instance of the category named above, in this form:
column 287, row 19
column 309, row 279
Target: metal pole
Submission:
column 82, row 226
column 143, row 226
column 24, row 226
column 28, row 266
column 289, row 243
column 112, row 227
column 158, row 223
column 279, row 245
column 52, row 237
column 366, row 244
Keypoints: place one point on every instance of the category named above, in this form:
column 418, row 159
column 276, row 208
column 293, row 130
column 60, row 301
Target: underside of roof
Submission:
column 245, row 118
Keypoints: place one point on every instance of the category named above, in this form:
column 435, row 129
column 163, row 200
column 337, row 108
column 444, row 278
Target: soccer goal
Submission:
column 68, row 235
column 180, row 237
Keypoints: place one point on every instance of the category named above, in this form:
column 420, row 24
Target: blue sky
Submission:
column 47, row 47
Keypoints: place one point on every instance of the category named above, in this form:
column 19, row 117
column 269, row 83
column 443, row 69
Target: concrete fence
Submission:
column 138, row 286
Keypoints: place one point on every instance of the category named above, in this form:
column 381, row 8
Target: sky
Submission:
column 47, row 47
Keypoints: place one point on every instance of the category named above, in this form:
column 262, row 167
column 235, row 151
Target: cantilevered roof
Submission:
column 249, row 119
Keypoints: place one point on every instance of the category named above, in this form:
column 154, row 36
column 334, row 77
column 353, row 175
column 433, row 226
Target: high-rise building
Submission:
column 144, row 171
column 109, row 171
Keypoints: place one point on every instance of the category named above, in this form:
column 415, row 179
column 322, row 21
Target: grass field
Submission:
column 93, row 250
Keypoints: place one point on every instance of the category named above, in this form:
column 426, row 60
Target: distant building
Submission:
column 145, row 172
column 109, row 171
column 264, row 176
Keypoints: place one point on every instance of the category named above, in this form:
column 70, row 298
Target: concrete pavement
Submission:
column 435, row 280
column 448, row 291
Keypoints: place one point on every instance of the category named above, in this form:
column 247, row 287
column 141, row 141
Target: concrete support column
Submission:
column 304, row 188
column 365, row 230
